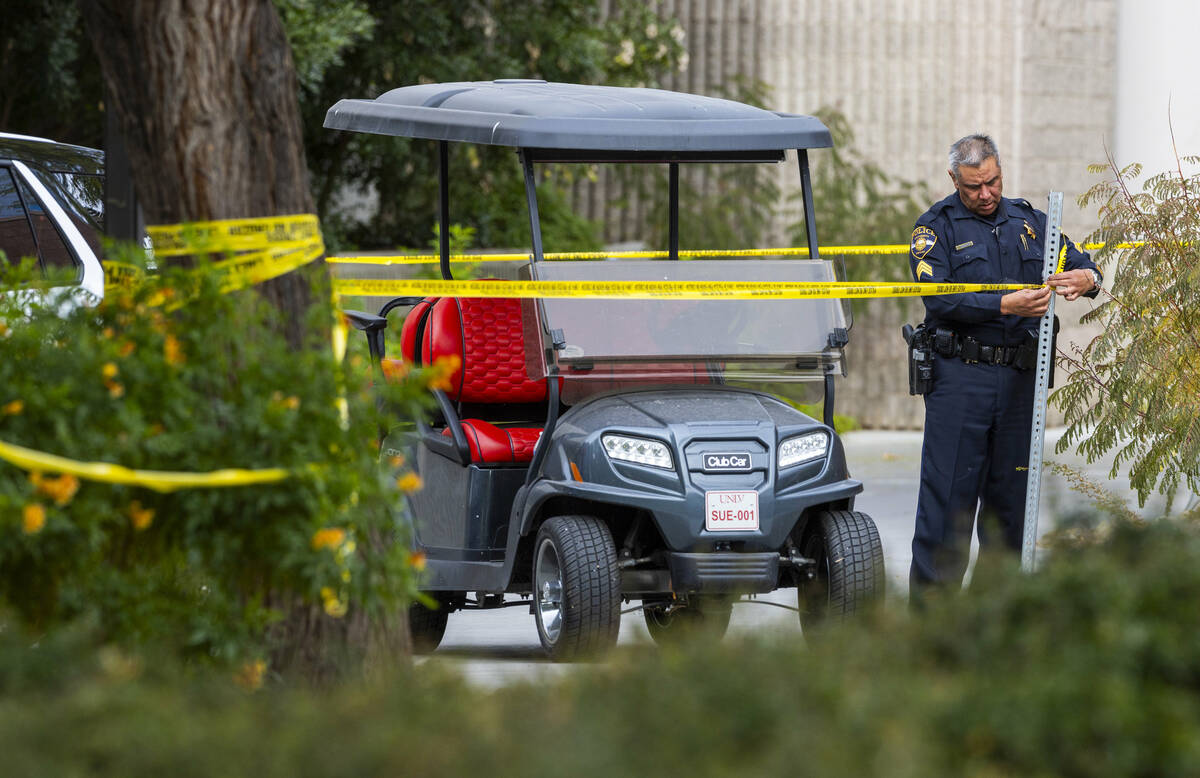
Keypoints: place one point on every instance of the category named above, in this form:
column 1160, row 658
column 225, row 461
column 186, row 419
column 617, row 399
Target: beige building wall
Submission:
column 912, row 76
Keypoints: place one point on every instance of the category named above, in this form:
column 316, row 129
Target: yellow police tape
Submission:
column 830, row 251
column 264, row 248
column 158, row 480
column 653, row 290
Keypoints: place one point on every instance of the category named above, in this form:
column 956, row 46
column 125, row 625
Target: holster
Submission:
column 920, row 359
column 1027, row 352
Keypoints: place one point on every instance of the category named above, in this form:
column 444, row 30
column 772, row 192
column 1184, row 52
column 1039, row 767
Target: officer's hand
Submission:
column 1026, row 302
column 1072, row 283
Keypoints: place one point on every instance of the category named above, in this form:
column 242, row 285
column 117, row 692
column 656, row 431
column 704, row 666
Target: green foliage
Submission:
column 421, row 42
column 1087, row 668
column 1135, row 388
column 319, row 31
column 858, row 202
column 49, row 77
column 200, row 573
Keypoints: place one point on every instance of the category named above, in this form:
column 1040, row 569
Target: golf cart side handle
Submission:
column 373, row 327
column 453, row 424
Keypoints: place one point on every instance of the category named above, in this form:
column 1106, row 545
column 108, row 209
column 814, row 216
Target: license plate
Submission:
column 730, row 511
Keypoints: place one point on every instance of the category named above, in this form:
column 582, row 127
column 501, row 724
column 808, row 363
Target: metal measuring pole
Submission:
column 1037, row 439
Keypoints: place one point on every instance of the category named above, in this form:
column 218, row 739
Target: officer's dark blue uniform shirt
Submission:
column 951, row 244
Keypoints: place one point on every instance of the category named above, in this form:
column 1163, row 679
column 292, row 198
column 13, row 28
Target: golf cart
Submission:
column 596, row 451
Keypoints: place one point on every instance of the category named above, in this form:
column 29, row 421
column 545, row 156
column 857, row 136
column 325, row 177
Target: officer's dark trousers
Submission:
column 975, row 456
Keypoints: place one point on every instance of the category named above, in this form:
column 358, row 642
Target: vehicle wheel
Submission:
column 427, row 626
column 702, row 617
column 849, row 574
column 576, row 587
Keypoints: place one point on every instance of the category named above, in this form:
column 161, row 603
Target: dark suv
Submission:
column 52, row 207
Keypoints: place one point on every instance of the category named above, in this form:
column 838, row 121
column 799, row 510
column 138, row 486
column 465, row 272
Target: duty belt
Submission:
column 968, row 349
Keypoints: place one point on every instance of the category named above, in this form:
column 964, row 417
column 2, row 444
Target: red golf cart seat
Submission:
column 487, row 336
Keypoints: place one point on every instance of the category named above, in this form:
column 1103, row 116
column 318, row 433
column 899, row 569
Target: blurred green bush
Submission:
column 173, row 375
column 1089, row 667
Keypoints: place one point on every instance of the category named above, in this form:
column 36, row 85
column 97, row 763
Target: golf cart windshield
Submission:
column 779, row 340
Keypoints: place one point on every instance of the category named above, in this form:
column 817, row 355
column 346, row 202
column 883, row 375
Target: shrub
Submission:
column 174, row 375
column 1088, row 667
column 1135, row 388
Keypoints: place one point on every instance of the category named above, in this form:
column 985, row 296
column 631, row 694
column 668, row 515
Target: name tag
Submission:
column 966, row 245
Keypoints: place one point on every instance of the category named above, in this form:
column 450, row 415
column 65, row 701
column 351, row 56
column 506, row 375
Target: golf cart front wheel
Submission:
column 849, row 572
column 576, row 587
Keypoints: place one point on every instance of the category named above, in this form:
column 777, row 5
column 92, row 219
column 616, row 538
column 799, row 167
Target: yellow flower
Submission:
column 61, row 489
column 127, row 348
column 173, row 350
column 396, row 461
column 250, row 675
column 109, row 332
column 292, row 403
column 109, row 370
column 441, row 375
column 141, row 517
column 115, row 389
column 33, row 518
column 416, row 560
column 334, row 605
column 12, row 408
column 329, row 537
column 409, row 482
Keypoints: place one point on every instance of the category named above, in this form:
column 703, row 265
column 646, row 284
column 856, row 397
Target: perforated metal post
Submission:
column 1037, row 439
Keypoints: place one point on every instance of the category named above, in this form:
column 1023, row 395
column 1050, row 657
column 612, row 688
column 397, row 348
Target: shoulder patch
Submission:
column 924, row 269
column 923, row 240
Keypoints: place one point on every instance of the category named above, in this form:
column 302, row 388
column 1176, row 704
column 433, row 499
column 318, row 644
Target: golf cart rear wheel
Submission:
column 849, row 573
column 576, row 587
column 706, row 617
column 427, row 626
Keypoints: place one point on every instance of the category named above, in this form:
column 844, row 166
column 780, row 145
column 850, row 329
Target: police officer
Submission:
column 979, row 411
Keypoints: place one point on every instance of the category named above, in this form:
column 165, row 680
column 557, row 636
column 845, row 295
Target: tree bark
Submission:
column 205, row 94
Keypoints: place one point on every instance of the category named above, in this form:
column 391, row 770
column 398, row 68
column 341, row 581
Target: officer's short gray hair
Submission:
column 972, row 151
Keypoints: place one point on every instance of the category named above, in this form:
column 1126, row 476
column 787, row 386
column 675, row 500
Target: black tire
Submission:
column 576, row 587
column 701, row 618
column 849, row 574
column 427, row 626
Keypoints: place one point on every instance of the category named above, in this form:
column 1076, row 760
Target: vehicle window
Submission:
column 54, row 251
column 16, row 238
column 82, row 196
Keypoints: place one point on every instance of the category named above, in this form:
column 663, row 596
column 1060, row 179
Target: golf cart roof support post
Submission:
column 444, row 208
column 542, row 446
column 535, row 225
column 810, row 217
column 828, row 404
column 673, row 207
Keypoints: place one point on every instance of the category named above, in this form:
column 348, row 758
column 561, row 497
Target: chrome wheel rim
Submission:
column 547, row 581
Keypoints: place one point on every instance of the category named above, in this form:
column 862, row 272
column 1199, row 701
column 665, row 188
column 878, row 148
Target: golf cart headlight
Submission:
column 638, row 450
column 805, row 448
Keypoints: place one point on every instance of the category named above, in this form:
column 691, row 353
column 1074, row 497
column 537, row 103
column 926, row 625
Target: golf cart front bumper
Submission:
column 723, row 572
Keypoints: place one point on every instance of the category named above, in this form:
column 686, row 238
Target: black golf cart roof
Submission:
column 536, row 114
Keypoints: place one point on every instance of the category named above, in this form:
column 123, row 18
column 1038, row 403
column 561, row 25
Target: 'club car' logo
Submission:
column 726, row 463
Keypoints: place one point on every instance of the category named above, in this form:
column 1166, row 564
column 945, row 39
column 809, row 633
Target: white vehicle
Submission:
column 52, row 208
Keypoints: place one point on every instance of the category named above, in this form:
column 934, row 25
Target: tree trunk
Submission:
column 205, row 94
